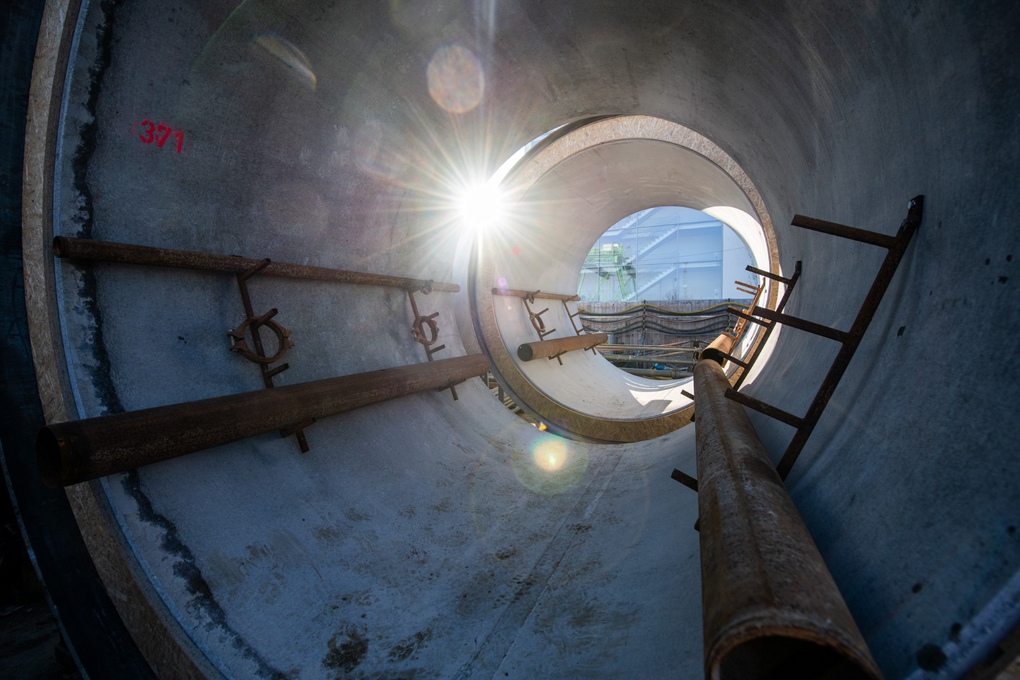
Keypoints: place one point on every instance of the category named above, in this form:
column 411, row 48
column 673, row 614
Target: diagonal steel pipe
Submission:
column 770, row 606
column 80, row 450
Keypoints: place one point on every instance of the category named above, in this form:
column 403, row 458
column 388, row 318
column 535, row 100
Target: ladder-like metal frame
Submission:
column 850, row 340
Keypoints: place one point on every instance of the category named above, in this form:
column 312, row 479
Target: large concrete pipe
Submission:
column 456, row 539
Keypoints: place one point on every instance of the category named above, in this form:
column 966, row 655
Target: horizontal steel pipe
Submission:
column 80, row 450
column 650, row 348
column 512, row 292
column 649, row 359
column 83, row 249
column 668, row 374
column 770, row 606
column 549, row 348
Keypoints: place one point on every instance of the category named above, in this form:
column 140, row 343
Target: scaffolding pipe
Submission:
column 650, row 348
column 665, row 361
column 771, row 609
column 551, row 348
column 77, row 451
column 536, row 294
column 668, row 374
column 88, row 250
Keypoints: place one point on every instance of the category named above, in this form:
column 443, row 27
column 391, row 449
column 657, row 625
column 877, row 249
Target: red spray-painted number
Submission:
column 151, row 132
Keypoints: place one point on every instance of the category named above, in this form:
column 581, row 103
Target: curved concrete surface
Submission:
column 559, row 200
column 428, row 536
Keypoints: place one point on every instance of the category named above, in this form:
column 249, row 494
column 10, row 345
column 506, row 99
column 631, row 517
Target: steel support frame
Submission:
column 849, row 340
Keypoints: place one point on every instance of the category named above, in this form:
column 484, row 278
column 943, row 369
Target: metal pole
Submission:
column 80, row 450
column 513, row 292
column 719, row 348
column 669, row 374
column 81, row 249
column 770, row 606
column 671, row 361
column 549, row 348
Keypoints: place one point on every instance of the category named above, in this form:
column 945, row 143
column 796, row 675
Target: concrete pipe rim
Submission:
column 639, row 409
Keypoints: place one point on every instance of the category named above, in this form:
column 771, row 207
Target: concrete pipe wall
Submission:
column 444, row 538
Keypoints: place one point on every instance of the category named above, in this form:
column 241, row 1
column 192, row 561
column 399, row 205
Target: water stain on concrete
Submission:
column 407, row 647
column 356, row 515
column 347, row 649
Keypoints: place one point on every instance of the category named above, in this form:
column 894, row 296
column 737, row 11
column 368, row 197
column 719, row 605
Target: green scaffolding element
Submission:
column 605, row 263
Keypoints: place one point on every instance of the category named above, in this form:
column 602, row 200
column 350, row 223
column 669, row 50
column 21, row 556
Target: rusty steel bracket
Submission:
column 425, row 330
column 574, row 324
column 240, row 341
column 256, row 353
column 536, row 317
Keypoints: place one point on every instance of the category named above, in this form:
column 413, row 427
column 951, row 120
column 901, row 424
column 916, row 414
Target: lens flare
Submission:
column 550, row 454
column 551, row 467
column 455, row 78
column 480, row 206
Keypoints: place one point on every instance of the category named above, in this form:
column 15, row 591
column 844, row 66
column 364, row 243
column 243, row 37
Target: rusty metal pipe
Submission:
column 548, row 348
column 771, row 608
column 82, row 249
column 649, row 359
column 719, row 348
column 668, row 374
column 537, row 294
column 76, row 451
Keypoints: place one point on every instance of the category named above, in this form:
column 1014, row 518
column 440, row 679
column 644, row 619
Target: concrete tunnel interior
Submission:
column 419, row 537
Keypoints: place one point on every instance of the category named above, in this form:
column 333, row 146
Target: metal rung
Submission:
column 685, row 479
column 768, row 275
column 744, row 315
column 844, row 231
column 760, row 406
column 802, row 324
column 733, row 359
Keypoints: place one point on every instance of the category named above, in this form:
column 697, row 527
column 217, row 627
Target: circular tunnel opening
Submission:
column 568, row 189
column 659, row 283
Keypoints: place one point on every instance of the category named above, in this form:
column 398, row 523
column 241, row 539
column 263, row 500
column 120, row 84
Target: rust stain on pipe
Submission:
column 550, row 348
column 719, row 348
column 771, row 608
column 80, row 450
